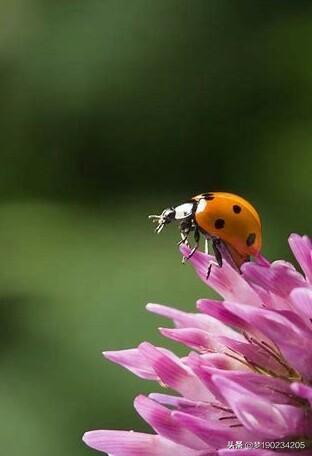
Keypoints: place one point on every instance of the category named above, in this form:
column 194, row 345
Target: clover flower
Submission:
column 248, row 378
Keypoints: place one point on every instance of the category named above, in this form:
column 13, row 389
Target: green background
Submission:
column 111, row 110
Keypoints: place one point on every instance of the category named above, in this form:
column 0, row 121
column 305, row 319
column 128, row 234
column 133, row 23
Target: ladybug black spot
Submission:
column 251, row 239
column 219, row 224
column 237, row 209
column 208, row 196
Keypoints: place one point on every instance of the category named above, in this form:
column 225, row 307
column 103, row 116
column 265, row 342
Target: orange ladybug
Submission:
column 228, row 221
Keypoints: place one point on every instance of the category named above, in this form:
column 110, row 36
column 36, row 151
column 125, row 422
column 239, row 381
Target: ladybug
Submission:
column 229, row 222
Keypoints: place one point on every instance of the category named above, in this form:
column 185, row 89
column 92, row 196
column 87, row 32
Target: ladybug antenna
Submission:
column 163, row 219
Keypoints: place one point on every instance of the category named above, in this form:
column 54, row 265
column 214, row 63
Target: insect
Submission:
column 227, row 221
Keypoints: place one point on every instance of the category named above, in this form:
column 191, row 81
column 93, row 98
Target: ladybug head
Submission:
column 178, row 213
column 163, row 219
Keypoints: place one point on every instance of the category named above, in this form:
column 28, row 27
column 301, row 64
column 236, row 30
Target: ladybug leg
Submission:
column 216, row 250
column 216, row 243
column 186, row 227
column 206, row 246
column 196, row 238
column 228, row 256
column 183, row 239
column 184, row 231
column 208, row 271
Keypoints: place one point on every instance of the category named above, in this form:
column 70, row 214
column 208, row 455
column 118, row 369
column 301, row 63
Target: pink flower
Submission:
column 246, row 384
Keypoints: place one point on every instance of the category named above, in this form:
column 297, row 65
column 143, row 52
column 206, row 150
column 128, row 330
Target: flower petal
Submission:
column 197, row 408
column 270, row 388
column 133, row 360
column 125, row 443
column 256, row 451
column 218, row 360
column 280, row 278
column 296, row 347
column 214, row 434
column 225, row 280
column 196, row 339
column 217, row 310
column 302, row 249
column 175, row 401
column 193, row 320
column 174, row 374
column 301, row 299
column 181, row 319
column 191, row 337
column 303, row 391
column 195, row 362
column 163, row 422
column 224, row 313
column 255, row 355
column 258, row 414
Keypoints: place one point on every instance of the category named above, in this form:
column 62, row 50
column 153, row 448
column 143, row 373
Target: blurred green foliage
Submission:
column 111, row 110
